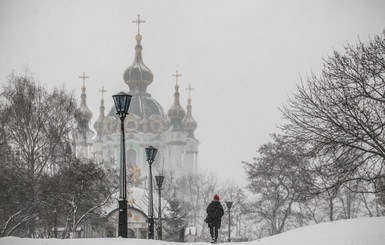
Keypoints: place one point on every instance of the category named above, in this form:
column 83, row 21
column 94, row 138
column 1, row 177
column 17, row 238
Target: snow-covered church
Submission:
column 146, row 124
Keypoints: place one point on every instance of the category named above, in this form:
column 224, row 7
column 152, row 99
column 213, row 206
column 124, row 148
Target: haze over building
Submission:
column 147, row 124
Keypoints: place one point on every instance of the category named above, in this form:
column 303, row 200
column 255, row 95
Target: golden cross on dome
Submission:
column 84, row 77
column 189, row 90
column 177, row 75
column 102, row 91
column 139, row 21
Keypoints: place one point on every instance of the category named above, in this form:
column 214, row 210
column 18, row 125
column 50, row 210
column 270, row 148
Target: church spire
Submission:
column 83, row 134
column 83, row 115
column 138, row 76
column 176, row 113
column 189, row 122
column 98, row 125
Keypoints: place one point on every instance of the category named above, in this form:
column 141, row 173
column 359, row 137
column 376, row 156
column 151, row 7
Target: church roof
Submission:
column 145, row 115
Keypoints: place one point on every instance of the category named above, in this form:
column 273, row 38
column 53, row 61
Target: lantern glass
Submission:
column 159, row 181
column 151, row 153
column 122, row 103
column 229, row 204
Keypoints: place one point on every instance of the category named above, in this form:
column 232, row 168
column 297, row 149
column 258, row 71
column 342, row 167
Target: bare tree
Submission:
column 197, row 190
column 81, row 189
column 341, row 112
column 36, row 125
column 239, row 210
column 275, row 177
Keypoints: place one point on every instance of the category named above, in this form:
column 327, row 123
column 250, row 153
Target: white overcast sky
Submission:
column 242, row 57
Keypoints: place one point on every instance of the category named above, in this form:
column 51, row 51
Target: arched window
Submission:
column 131, row 157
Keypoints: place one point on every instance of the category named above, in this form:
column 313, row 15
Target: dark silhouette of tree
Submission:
column 42, row 184
column 175, row 221
column 80, row 189
column 276, row 179
column 36, row 125
column 340, row 114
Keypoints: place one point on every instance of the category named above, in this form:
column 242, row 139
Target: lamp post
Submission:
column 55, row 228
column 159, row 181
column 229, row 204
column 122, row 103
column 150, row 153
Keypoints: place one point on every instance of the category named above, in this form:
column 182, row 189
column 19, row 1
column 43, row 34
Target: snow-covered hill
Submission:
column 362, row 231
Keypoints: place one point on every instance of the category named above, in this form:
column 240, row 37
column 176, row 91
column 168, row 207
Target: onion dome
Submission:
column 83, row 115
column 138, row 76
column 145, row 114
column 189, row 122
column 176, row 113
column 98, row 125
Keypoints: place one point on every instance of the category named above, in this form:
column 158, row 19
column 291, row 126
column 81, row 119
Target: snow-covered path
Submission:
column 362, row 231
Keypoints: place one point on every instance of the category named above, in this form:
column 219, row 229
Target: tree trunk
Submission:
column 331, row 209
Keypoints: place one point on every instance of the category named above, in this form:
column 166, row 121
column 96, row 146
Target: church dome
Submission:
column 138, row 76
column 176, row 113
column 145, row 113
column 83, row 114
column 189, row 122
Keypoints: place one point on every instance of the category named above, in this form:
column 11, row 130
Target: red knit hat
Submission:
column 216, row 197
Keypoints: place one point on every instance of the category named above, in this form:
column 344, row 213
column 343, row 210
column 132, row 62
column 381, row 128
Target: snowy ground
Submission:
column 363, row 231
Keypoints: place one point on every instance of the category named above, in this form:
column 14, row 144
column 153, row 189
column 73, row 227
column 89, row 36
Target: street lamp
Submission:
column 229, row 204
column 122, row 103
column 159, row 181
column 55, row 228
column 150, row 153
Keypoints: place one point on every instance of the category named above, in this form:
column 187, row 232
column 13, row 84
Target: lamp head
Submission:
column 229, row 204
column 159, row 181
column 122, row 103
column 151, row 153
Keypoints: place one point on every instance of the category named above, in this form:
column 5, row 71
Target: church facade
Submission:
column 172, row 133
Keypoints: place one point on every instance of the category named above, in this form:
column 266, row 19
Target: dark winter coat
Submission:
column 214, row 214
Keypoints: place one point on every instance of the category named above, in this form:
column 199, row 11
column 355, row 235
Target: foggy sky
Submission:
column 243, row 58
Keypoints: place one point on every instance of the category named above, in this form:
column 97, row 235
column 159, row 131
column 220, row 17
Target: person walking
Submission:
column 214, row 215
